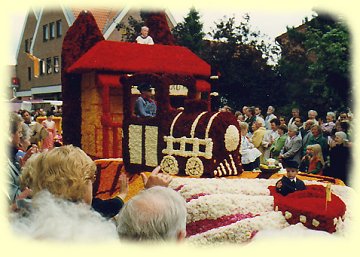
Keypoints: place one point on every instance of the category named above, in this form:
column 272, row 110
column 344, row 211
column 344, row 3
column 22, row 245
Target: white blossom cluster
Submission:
column 218, row 205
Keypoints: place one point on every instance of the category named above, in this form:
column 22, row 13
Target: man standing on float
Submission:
column 144, row 38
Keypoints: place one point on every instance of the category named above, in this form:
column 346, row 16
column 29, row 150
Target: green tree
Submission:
column 242, row 57
column 190, row 33
column 132, row 28
column 314, row 66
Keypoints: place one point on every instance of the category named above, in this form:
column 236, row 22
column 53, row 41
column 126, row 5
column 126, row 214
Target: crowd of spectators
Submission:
column 50, row 193
column 50, row 196
column 320, row 145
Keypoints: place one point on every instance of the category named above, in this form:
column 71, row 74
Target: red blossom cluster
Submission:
column 196, row 196
column 202, row 226
column 159, row 29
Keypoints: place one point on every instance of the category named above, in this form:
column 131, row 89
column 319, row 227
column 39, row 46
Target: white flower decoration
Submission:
column 288, row 215
column 315, row 223
column 302, row 219
column 232, row 138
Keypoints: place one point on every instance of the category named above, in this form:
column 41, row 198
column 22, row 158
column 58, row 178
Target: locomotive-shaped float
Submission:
column 189, row 141
column 100, row 79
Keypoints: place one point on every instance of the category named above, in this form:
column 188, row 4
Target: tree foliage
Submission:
column 132, row 30
column 190, row 33
column 242, row 57
column 316, row 72
column 158, row 27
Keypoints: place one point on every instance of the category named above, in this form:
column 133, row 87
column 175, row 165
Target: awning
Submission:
column 125, row 57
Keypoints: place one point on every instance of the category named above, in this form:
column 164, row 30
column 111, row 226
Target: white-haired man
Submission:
column 295, row 112
column 292, row 147
column 312, row 114
column 269, row 116
column 329, row 125
column 157, row 213
column 144, row 38
column 258, row 136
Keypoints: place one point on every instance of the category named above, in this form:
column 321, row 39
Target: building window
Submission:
column 48, row 66
column 26, row 46
column 45, row 32
column 29, row 73
column 56, row 64
column 52, row 30
column 42, row 67
column 58, row 28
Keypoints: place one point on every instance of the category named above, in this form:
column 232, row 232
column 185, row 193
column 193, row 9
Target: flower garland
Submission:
column 204, row 225
column 193, row 126
column 241, row 231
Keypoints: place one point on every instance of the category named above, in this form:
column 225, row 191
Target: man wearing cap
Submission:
column 292, row 146
column 144, row 105
column 290, row 183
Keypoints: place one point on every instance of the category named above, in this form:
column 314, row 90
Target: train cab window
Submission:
column 143, row 100
column 178, row 95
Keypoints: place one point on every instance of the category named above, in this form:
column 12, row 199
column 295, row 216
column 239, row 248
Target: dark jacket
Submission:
column 340, row 160
column 107, row 208
column 289, row 187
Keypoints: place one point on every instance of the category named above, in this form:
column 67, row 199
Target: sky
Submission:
column 271, row 23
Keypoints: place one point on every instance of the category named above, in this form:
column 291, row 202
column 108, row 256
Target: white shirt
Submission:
column 270, row 135
column 145, row 41
column 268, row 118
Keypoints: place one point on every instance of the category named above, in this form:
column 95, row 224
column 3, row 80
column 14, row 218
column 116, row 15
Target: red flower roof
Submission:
column 127, row 57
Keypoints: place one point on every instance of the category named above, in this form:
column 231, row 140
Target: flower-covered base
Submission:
column 237, row 210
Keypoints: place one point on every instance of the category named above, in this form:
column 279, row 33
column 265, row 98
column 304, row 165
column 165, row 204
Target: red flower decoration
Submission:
column 310, row 203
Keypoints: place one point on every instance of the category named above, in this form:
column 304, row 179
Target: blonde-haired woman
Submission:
column 61, row 183
column 313, row 161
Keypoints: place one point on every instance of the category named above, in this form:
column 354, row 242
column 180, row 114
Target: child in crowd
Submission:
column 290, row 183
column 313, row 161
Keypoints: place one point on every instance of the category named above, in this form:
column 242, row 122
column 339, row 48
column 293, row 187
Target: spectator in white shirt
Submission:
column 295, row 114
column 270, row 115
column 270, row 137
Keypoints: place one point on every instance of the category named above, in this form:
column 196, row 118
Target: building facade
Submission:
column 42, row 37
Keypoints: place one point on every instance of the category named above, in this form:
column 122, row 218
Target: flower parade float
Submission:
column 189, row 141
column 198, row 147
